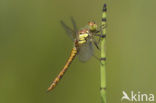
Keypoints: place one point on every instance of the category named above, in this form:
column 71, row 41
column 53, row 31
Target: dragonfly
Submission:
column 83, row 45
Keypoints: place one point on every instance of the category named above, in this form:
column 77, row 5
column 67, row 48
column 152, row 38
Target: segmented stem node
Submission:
column 103, row 57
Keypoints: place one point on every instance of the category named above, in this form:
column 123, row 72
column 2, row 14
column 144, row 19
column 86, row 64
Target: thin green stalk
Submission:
column 103, row 57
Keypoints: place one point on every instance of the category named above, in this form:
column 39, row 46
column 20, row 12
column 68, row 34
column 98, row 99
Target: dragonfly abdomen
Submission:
column 60, row 75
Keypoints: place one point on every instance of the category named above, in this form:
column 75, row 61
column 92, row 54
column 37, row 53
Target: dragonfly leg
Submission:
column 99, row 59
column 101, row 27
column 96, row 44
column 101, row 35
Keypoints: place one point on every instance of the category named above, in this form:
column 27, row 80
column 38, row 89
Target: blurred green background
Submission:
column 34, row 48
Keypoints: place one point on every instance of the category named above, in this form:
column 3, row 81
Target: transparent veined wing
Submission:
column 70, row 32
column 74, row 27
column 86, row 51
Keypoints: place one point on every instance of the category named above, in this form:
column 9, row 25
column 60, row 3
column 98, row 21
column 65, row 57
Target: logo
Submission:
column 137, row 96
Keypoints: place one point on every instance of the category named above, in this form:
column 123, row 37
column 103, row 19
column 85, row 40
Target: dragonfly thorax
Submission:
column 83, row 35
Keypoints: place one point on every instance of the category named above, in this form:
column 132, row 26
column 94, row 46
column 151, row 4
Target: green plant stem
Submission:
column 103, row 59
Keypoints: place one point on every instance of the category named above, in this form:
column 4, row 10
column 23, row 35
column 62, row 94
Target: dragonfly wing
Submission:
column 86, row 51
column 68, row 30
column 75, row 26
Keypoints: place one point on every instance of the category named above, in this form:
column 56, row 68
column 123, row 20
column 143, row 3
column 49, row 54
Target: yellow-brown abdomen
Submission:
column 70, row 59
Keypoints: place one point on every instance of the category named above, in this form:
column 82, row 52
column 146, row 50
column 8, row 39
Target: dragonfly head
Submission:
column 92, row 26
